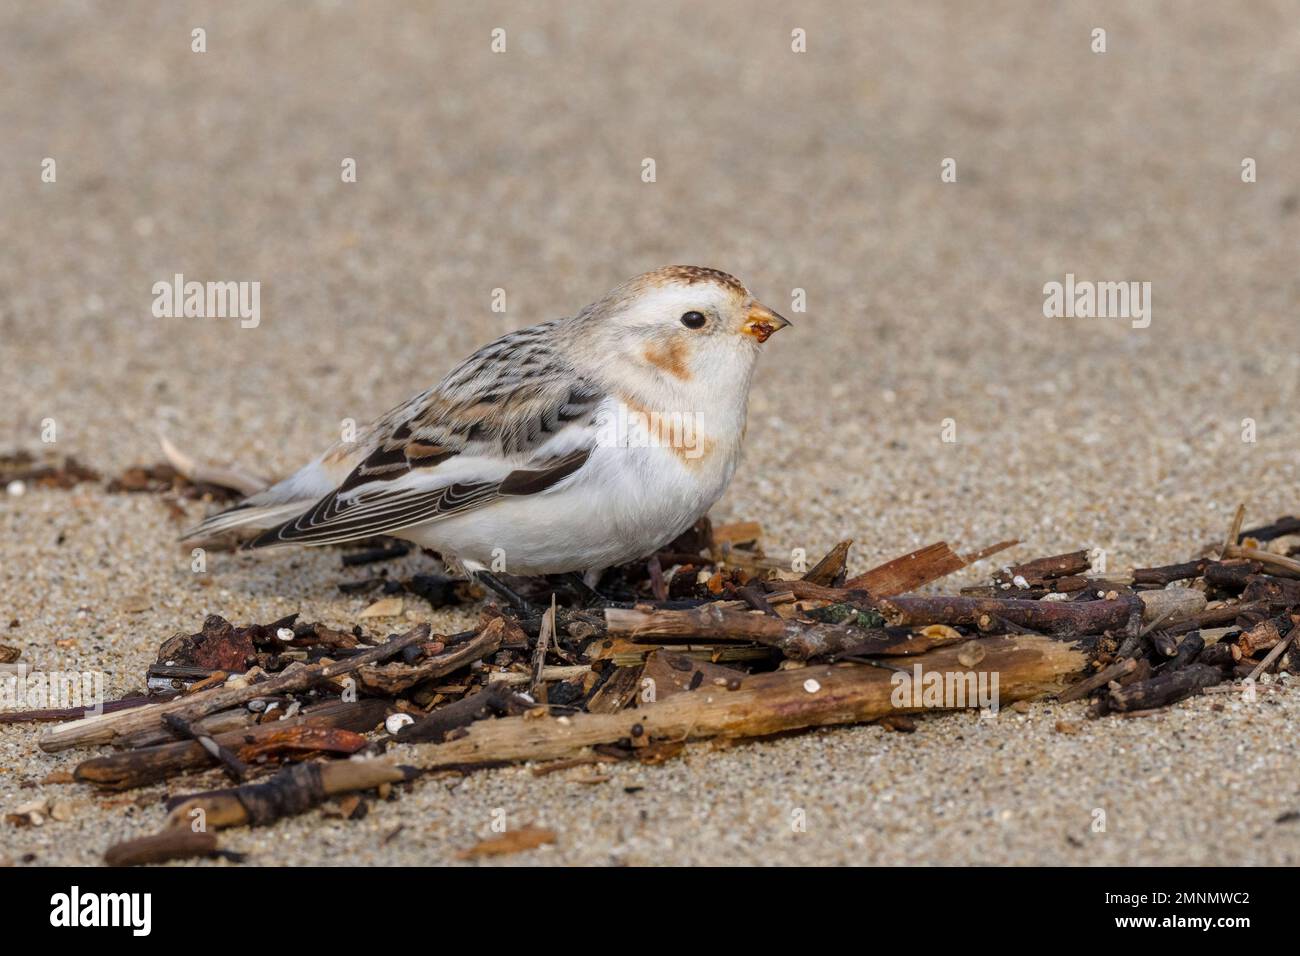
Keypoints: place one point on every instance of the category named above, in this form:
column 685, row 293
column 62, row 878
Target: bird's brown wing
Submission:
column 514, row 402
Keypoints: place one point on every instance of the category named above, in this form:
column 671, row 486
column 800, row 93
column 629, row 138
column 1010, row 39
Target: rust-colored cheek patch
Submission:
column 671, row 359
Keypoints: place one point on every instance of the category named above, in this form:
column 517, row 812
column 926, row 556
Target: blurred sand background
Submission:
column 817, row 171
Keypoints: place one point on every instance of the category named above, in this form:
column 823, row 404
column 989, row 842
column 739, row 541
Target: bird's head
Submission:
column 683, row 323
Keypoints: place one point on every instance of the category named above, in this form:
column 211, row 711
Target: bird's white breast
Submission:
column 636, row 493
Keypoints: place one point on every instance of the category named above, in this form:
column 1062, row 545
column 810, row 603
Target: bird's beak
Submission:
column 761, row 322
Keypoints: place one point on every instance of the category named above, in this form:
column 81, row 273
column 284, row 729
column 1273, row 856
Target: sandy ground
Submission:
column 817, row 171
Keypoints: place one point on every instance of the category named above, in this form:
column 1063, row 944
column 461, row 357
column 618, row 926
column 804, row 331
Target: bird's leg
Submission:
column 585, row 587
column 505, row 591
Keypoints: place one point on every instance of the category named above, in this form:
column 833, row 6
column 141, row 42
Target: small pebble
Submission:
column 16, row 488
column 811, row 686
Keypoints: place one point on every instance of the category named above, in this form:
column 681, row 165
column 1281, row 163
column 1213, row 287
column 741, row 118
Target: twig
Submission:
column 539, row 652
column 1053, row 617
column 1274, row 654
column 1100, row 679
column 204, row 473
column 826, row 570
column 1234, row 529
column 104, row 729
column 235, row 767
column 1278, row 562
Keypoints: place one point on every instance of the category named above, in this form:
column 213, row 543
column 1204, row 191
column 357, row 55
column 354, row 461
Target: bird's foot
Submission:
column 505, row 592
column 585, row 589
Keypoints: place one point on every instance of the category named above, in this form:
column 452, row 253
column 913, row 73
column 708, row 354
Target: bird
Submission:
column 565, row 447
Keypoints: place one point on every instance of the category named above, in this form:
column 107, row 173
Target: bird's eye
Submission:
column 693, row 320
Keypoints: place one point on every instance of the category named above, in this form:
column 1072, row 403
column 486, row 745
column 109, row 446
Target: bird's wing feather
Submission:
column 513, row 419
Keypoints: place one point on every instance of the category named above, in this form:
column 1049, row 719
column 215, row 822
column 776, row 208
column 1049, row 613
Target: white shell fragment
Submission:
column 395, row 722
column 285, row 634
column 811, row 686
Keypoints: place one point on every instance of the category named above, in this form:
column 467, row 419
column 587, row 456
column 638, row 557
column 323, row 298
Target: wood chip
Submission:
column 386, row 607
column 513, row 841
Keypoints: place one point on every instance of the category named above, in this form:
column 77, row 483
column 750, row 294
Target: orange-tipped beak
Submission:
column 762, row 322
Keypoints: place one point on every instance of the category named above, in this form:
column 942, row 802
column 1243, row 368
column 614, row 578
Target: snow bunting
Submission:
column 573, row 445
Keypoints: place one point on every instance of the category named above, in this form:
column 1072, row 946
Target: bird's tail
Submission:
column 249, row 514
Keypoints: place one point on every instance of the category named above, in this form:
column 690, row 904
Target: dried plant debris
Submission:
column 20, row 470
column 512, row 841
column 709, row 638
column 162, row 478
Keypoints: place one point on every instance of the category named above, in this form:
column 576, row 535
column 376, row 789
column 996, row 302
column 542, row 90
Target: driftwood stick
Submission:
column 1041, row 571
column 1234, row 529
column 391, row 679
column 712, row 623
column 1283, row 526
column 1164, row 643
column 1276, row 563
column 539, row 652
column 1164, row 688
column 1169, row 573
column 1170, row 605
column 1100, row 679
column 1265, row 634
column 1189, row 650
column 1027, row 666
column 988, row 552
column 909, row 572
column 993, row 614
column 1212, row 618
column 71, row 713
column 919, row 568
column 1221, row 654
column 106, row 728
column 293, row 790
column 235, row 768
column 494, row 700
column 808, row 591
column 1274, row 654
column 550, row 673
column 1277, row 593
column 303, row 734
column 826, row 570
column 179, row 843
